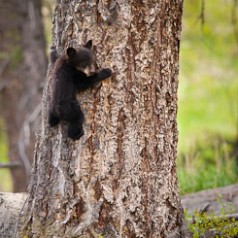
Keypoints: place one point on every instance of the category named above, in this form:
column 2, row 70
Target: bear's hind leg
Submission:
column 75, row 131
column 75, row 123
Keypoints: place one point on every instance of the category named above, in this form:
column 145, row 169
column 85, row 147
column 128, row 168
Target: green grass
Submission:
column 202, row 224
column 207, row 165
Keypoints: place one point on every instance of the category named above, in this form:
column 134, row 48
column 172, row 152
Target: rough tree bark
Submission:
column 23, row 66
column 211, row 201
column 120, row 179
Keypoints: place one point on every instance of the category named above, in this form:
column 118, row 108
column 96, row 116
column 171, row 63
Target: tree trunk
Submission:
column 10, row 206
column 23, row 70
column 119, row 179
column 211, row 201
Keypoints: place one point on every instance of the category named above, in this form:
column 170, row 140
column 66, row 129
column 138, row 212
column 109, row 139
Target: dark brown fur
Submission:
column 68, row 80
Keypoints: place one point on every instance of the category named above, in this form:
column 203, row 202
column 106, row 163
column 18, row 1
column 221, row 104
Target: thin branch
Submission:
column 3, row 66
column 202, row 15
column 11, row 165
column 24, row 138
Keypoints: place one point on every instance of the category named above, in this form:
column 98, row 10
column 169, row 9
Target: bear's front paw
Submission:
column 105, row 73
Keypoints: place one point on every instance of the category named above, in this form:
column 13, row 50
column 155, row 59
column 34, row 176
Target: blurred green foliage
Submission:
column 208, row 96
column 5, row 177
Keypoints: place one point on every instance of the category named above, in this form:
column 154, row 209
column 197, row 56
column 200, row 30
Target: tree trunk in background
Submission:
column 22, row 68
column 119, row 179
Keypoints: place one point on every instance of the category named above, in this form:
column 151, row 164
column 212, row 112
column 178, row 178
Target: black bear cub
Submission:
column 69, row 79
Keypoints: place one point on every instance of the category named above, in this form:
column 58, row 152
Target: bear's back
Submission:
column 63, row 80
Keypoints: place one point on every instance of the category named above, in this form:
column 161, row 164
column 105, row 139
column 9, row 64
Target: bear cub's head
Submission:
column 82, row 57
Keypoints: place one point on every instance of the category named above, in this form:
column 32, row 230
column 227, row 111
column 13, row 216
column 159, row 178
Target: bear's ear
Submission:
column 89, row 44
column 71, row 52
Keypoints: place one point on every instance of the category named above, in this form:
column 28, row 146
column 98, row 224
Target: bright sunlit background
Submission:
column 208, row 96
